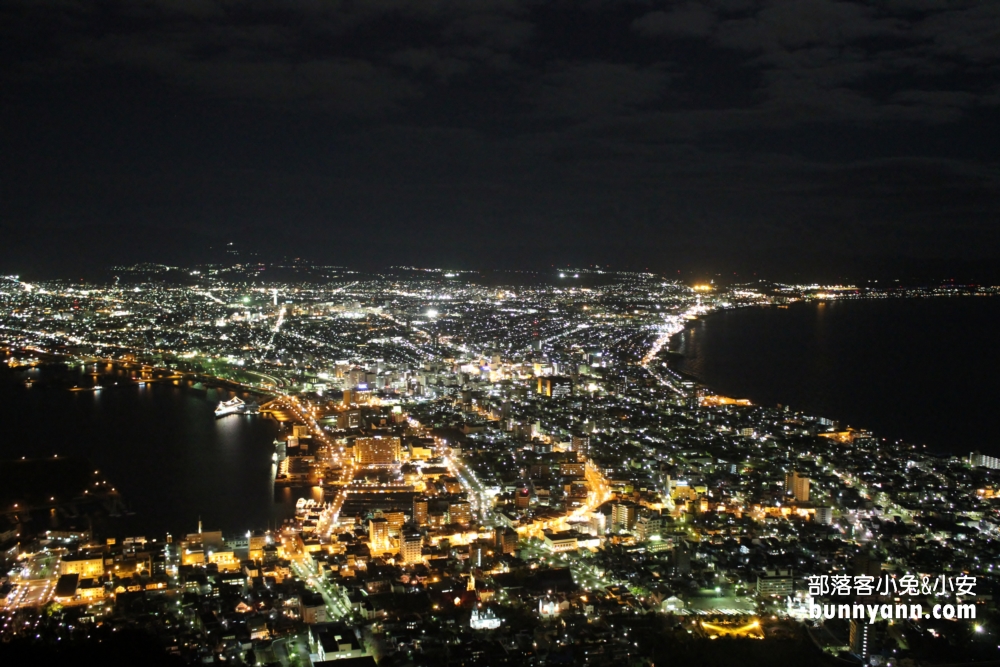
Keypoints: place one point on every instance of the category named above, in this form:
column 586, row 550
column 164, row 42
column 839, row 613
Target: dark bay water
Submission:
column 921, row 370
column 159, row 444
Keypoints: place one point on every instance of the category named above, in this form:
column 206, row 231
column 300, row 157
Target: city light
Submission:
column 532, row 454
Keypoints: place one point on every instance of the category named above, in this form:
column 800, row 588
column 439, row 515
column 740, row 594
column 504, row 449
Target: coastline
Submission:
column 162, row 448
column 679, row 361
column 174, row 374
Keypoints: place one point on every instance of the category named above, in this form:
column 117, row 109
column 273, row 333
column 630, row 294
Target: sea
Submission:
column 159, row 444
column 918, row 370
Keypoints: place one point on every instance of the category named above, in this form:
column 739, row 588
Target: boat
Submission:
column 231, row 407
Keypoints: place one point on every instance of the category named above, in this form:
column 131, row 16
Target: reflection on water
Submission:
column 159, row 443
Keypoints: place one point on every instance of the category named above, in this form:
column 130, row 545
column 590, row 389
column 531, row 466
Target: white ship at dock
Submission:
column 233, row 406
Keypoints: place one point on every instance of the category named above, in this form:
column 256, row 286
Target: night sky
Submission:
column 779, row 136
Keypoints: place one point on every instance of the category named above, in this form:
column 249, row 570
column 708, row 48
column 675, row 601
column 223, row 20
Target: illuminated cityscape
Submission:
column 491, row 473
column 475, row 333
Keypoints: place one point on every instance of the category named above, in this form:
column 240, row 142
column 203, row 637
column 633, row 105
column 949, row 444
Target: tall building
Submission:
column 411, row 547
column 581, row 445
column 623, row 516
column 420, row 510
column 798, row 486
column 460, row 511
column 378, row 535
column 860, row 638
column 477, row 553
column 376, row 451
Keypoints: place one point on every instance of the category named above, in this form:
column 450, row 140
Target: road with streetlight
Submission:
column 337, row 603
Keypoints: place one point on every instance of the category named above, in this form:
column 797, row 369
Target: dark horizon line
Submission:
column 985, row 273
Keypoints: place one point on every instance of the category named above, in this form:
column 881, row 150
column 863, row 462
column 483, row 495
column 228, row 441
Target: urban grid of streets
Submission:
column 683, row 503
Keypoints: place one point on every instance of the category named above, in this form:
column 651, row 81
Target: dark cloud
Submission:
column 644, row 130
column 790, row 25
column 443, row 67
column 688, row 19
column 598, row 89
